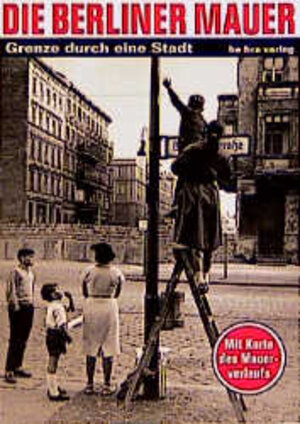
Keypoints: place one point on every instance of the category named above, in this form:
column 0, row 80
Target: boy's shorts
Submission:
column 55, row 342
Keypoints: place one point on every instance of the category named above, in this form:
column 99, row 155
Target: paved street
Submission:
column 194, row 394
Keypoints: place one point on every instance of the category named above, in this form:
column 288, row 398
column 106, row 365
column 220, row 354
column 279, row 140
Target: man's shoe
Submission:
column 202, row 288
column 10, row 378
column 58, row 398
column 22, row 373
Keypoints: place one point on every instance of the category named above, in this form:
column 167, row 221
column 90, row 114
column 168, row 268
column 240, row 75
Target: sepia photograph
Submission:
column 149, row 235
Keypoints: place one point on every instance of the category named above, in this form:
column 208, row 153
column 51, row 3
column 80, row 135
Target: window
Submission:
column 276, row 138
column 46, row 154
column 53, row 157
column 41, row 118
column 228, row 129
column 48, row 96
column 59, row 130
column 46, row 179
column 40, row 151
column 59, row 159
column 42, row 90
column 68, row 132
column 34, row 85
column 31, row 177
column 33, row 114
column 32, row 150
column 53, row 185
column 39, row 182
column 54, row 100
column 47, row 123
column 54, row 126
column 273, row 69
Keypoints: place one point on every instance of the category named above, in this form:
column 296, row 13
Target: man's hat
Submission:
column 104, row 252
column 196, row 99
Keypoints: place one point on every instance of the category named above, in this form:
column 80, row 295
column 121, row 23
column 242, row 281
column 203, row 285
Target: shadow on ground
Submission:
column 181, row 406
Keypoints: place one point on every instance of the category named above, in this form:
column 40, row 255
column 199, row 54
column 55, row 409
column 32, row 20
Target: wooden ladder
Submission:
column 134, row 380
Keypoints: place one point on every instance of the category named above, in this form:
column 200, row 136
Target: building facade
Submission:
column 129, row 191
column 54, row 148
column 269, row 177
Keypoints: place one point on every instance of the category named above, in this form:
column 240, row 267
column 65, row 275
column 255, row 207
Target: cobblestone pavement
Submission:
column 194, row 394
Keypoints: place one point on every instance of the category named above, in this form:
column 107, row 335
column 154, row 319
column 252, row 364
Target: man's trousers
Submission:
column 20, row 326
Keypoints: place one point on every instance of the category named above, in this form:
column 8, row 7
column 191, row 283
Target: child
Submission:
column 101, row 287
column 57, row 336
column 193, row 125
column 192, row 129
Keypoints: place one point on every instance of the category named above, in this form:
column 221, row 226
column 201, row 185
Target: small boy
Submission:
column 57, row 335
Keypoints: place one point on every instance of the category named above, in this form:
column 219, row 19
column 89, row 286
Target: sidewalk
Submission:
column 238, row 274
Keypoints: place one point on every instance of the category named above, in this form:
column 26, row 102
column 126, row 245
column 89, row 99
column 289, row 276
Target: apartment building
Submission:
column 55, row 148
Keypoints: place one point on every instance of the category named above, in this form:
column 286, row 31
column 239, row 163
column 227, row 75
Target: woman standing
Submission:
column 101, row 286
column 203, row 170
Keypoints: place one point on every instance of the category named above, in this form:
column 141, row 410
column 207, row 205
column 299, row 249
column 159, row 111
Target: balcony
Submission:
column 90, row 152
column 284, row 90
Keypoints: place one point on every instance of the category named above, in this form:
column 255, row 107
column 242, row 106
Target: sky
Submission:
column 121, row 87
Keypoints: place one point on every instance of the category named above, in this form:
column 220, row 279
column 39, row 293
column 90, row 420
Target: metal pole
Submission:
column 151, row 387
column 225, row 275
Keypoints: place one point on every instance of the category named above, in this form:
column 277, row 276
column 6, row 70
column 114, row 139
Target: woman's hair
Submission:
column 103, row 252
column 214, row 133
column 216, row 128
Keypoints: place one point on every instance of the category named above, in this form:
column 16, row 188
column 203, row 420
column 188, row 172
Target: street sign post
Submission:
column 151, row 385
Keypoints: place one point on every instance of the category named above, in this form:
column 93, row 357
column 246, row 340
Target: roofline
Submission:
column 71, row 86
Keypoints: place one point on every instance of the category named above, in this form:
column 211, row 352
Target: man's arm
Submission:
column 176, row 101
column 11, row 295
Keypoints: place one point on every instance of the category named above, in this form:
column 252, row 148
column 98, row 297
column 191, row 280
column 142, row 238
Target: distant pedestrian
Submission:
column 57, row 335
column 19, row 295
column 101, row 287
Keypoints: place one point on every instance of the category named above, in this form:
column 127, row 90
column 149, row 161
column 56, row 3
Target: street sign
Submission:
column 230, row 145
column 235, row 145
column 169, row 147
